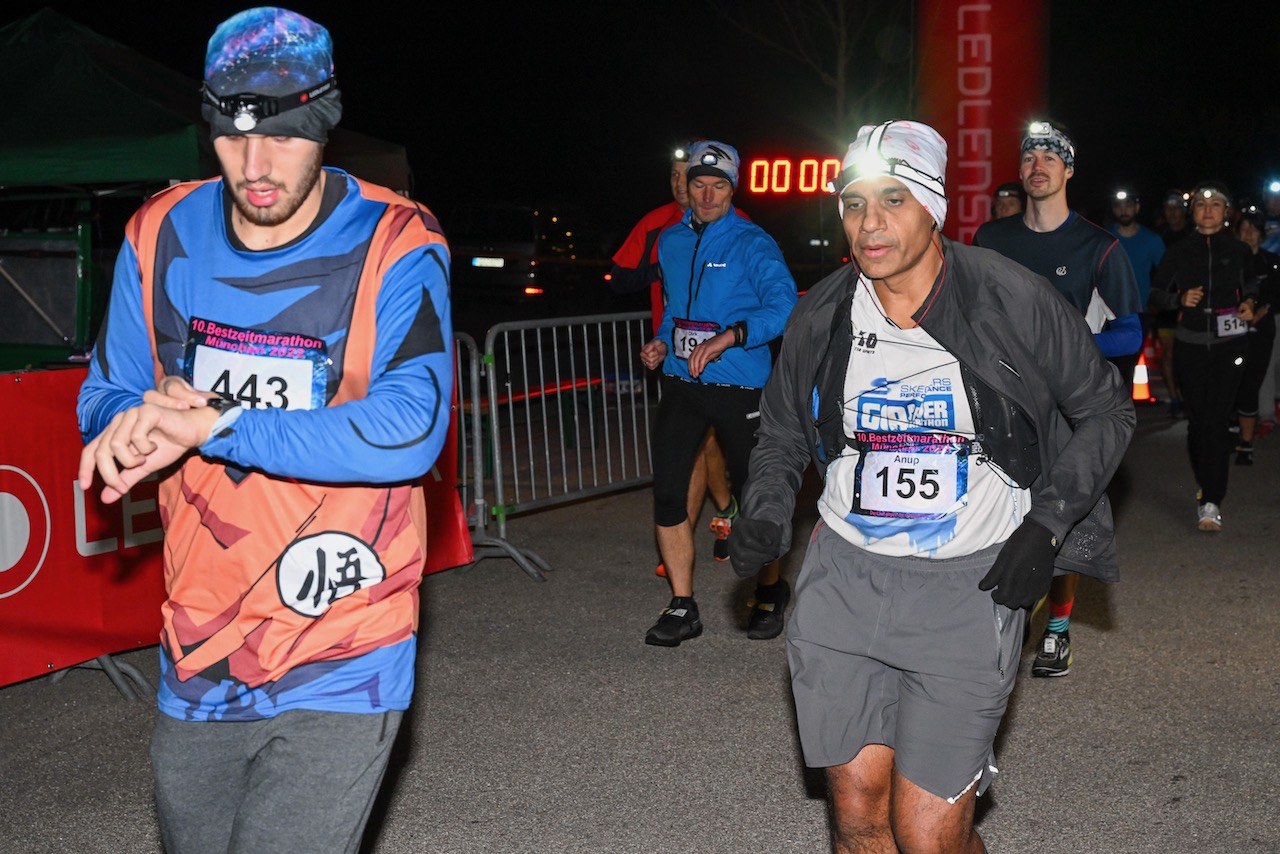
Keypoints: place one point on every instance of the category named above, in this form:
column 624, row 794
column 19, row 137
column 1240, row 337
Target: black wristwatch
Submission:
column 222, row 403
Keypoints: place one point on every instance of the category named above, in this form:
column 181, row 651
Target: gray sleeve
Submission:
column 784, row 437
column 1091, row 395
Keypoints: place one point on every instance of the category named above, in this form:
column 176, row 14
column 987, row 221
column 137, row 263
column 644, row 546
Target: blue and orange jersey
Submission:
column 295, row 538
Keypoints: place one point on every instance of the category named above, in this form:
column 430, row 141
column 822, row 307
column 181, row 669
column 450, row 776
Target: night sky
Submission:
column 581, row 101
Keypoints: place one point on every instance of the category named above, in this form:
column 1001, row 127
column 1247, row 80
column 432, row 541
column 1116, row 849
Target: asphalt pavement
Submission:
column 543, row 723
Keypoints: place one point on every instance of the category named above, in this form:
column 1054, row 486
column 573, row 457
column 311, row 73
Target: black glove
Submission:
column 752, row 544
column 1023, row 570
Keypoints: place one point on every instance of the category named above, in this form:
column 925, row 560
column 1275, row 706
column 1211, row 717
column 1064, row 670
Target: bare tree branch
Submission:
column 826, row 36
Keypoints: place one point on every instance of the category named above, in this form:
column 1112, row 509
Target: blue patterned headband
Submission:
column 1042, row 136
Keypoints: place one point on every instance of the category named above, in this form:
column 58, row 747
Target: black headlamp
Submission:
column 247, row 109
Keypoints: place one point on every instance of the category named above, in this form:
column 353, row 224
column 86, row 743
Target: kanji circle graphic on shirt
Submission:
column 318, row 570
column 24, row 530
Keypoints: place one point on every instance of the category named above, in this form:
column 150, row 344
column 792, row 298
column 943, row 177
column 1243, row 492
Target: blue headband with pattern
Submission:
column 1042, row 136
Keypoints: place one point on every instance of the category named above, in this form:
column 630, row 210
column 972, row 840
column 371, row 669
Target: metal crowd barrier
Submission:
column 473, row 463
column 565, row 416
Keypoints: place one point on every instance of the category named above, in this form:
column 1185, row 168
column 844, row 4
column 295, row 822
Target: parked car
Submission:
column 550, row 259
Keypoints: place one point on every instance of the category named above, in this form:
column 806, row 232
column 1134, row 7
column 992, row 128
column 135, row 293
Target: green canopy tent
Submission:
column 93, row 111
column 86, row 110
column 91, row 120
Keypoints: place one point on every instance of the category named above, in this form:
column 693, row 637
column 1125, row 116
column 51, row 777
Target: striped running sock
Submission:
column 1060, row 616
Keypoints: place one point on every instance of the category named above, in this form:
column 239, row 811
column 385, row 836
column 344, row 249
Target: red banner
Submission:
column 78, row 578
column 982, row 78
column 448, row 537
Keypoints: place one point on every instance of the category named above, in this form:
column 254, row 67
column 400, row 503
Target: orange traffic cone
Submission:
column 1141, row 384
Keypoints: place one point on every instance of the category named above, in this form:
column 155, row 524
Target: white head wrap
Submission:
column 910, row 151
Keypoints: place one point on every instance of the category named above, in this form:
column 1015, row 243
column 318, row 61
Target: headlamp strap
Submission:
column 896, row 167
column 247, row 108
column 714, row 155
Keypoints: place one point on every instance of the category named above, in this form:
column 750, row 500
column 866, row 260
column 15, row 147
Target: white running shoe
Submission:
column 1210, row 517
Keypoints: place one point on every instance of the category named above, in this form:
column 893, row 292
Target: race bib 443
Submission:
column 262, row 370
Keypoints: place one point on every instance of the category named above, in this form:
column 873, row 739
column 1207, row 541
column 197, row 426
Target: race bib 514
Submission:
column 1231, row 324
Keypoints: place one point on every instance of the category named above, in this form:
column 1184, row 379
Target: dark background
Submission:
column 581, row 101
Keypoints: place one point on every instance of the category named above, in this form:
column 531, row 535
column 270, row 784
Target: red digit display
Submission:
column 781, row 176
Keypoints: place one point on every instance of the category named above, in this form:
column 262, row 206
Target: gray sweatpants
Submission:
column 301, row 781
column 905, row 652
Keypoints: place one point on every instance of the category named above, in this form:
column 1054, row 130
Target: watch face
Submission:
column 222, row 404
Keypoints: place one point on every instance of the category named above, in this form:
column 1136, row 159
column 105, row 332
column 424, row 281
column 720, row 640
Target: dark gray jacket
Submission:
column 1053, row 413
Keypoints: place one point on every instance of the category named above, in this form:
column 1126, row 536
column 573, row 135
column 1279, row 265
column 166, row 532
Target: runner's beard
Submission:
column 288, row 203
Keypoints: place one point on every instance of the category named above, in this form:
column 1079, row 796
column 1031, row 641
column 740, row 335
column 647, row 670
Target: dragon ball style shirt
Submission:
column 295, row 538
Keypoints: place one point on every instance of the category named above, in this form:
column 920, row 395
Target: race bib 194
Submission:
column 262, row 370
column 910, row 475
column 688, row 334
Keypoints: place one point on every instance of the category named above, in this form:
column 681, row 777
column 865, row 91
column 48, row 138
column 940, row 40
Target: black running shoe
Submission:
column 1054, row 656
column 678, row 622
column 1244, row 454
column 767, row 610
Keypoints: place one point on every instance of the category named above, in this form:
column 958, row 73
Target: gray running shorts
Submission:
column 905, row 652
